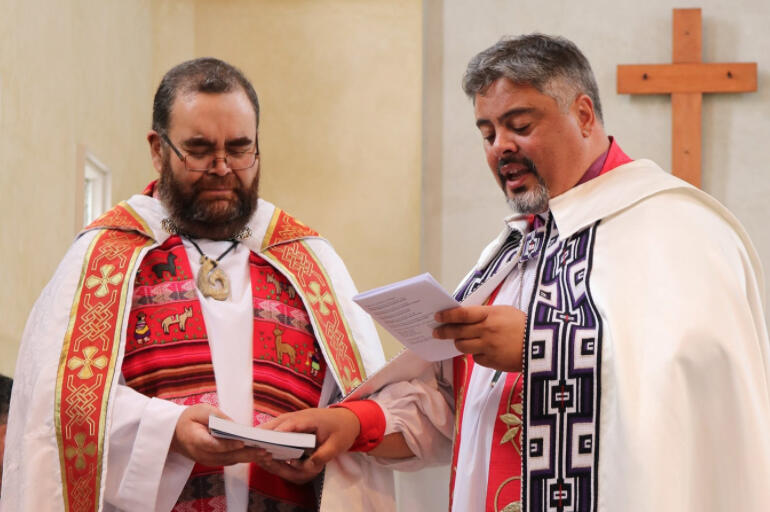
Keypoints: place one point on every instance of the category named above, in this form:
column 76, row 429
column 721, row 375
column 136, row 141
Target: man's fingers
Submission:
column 201, row 412
column 481, row 359
column 462, row 315
column 218, row 445
column 326, row 452
column 473, row 346
column 457, row 331
column 201, row 441
column 291, row 422
column 295, row 470
column 246, row 454
column 272, row 424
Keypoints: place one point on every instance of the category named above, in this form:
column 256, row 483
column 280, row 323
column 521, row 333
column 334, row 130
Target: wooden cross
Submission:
column 686, row 79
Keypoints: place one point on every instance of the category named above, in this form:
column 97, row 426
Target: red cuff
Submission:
column 372, row 421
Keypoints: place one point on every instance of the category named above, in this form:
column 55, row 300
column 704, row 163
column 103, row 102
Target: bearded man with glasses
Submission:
column 195, row 298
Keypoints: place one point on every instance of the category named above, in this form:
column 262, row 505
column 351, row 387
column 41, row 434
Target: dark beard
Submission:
column 201, row 218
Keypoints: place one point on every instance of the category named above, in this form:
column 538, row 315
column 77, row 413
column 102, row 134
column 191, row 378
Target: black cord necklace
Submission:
column 212, row 281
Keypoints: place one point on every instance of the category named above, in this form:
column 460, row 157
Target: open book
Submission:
column 283, row 445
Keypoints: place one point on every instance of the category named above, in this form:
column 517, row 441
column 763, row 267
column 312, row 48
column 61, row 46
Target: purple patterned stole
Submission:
column 168, row 356
column 562, row 368
column 562, row 365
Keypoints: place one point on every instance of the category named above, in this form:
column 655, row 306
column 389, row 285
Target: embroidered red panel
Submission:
column 86, row 370
column 167, row 352
column 333, row 331
column 289, row 367
column 285, row 228
column 462, row 366
column 504, row 482
column 168, row 356
column 123, row 217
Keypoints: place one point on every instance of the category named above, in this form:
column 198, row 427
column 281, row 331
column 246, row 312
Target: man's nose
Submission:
column 220, row 166
column 504, row 143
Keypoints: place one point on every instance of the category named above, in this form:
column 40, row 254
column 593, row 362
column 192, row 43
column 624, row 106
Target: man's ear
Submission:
column 153, row 138
column 583, row 110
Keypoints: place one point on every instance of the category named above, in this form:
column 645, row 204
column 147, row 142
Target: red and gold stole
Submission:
column 504, row 478
column 283, row 246
column 89, row 353
column 168, row 356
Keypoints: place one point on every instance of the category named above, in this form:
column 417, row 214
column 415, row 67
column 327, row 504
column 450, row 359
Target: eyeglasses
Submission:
column 204, row 162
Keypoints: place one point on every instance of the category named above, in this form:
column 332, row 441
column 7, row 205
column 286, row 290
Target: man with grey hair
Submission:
column 620, row 361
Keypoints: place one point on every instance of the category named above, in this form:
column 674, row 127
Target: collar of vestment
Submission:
column 609, row 194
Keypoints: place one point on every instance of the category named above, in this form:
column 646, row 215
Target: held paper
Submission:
column 406, row 308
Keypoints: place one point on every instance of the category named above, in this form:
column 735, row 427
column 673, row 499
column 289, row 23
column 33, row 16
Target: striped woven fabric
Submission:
column 168, row 356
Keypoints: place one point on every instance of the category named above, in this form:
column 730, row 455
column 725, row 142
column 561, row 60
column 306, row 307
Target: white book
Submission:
column 406, row 308
column 282, row 445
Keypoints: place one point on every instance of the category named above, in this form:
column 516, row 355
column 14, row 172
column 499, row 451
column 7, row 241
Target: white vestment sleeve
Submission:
column 142, row 473
column 422, row 410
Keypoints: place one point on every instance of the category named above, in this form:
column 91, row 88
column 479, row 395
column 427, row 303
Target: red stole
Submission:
column 504, row 477
column 168, row 356
column 504, row 480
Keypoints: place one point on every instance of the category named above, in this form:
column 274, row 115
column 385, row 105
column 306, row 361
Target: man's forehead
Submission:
column 503, row 97
column 193, row 108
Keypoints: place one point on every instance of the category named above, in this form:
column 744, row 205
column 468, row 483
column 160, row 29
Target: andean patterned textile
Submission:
column 168, row 356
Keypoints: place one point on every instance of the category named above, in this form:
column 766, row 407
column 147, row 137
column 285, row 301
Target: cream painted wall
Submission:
column 71, row 72
column 339, row 83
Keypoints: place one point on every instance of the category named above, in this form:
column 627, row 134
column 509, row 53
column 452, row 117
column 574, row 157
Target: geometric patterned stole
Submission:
column 168, row 356
column 562, row 376
column 561, row 369
column 89, row 353
column 554, row 409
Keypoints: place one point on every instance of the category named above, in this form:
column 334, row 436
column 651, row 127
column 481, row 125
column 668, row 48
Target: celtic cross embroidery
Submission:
column 80, row 451
column 316, row 297
column 102, row 282
column 87, row 362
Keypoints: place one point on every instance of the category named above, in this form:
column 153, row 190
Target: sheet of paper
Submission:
column 283, row 445
column 406, row 308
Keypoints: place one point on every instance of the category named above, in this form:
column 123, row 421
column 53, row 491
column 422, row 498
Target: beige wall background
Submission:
column 71, row 72
column 340, row 86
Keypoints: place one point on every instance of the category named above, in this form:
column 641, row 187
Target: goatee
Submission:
column 199, row 217
column 530, row 201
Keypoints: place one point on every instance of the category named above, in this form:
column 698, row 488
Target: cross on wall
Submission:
column 686, row 80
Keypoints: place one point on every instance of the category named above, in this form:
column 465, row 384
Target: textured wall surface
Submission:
column 71, row 73
column 340, row 86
